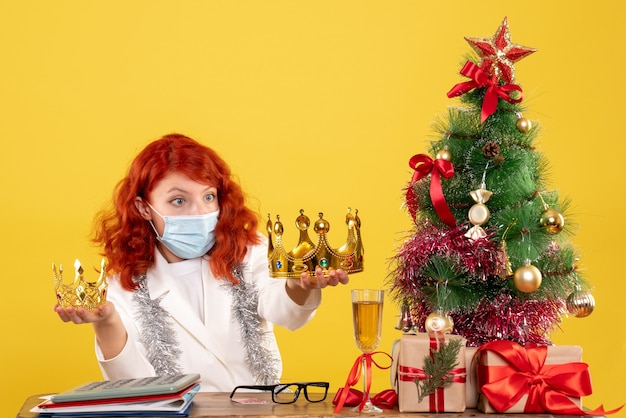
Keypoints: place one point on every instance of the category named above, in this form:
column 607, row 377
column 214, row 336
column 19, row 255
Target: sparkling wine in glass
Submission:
column 367, row 318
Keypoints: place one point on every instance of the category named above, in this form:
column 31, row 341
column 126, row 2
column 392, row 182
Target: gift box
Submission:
column 471, row 381
column 410, row 353
column 515, row 379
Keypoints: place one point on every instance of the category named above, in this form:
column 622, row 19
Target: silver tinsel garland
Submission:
column 163, row 350
column 261, row 362
column 157, row 334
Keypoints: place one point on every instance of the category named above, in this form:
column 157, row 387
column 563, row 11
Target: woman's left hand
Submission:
column 299, row 290
column 320, row 281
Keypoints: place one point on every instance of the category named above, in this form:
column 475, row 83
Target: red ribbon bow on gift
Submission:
column 424, row 165
column 366, row 361
column 480, row 78
column 548, row 386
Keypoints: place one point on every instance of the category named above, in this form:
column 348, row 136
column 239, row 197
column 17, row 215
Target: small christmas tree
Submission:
column 489, row 253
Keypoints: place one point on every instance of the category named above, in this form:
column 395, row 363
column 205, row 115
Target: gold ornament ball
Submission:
column 444, row 154
column 580, row 303
column 438, row 322
column 527, row 278
column 553, row 221
column 523, row 125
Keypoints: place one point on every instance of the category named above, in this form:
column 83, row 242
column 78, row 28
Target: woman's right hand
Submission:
column 107, row 324
column 84, row 316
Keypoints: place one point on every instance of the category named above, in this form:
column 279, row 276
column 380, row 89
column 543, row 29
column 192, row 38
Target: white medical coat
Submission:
column 212, row 348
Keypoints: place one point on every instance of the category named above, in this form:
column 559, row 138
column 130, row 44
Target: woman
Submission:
column 190, row 291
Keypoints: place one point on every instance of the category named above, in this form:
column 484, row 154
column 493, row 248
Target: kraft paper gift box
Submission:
column 471, row 381
column 413, row 348
column 492, row 367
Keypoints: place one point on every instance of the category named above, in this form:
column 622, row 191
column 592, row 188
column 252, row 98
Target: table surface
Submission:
column 213, row 404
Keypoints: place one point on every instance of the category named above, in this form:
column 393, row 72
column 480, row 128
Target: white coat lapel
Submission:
column 161, row 283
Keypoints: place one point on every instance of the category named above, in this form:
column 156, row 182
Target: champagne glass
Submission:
column 367, row 318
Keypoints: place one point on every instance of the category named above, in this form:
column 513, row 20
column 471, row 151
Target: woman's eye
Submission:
column 209, row 197
column 178, row 201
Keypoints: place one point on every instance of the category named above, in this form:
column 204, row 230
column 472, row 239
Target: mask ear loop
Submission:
column 156, row 211
column 154, row 229
column 150, row 220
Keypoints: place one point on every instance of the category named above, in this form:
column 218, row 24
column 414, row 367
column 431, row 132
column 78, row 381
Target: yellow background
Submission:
column 316, row 105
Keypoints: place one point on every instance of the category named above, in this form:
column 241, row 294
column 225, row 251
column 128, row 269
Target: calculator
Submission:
column 123, row 388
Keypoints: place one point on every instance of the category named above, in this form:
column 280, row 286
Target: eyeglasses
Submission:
column 285, row 393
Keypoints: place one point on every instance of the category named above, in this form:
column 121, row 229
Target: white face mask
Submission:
column 188, row 236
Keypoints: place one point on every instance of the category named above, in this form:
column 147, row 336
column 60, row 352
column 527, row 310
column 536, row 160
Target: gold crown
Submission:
column 307, row 256
column 80, row 293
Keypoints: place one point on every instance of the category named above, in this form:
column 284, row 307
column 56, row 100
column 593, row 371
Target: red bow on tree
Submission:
column 424, row 165
column 480, row 78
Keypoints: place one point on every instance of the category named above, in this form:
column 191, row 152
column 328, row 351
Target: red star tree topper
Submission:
column 499, row 53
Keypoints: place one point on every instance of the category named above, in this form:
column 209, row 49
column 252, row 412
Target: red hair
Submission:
column 129, row 241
